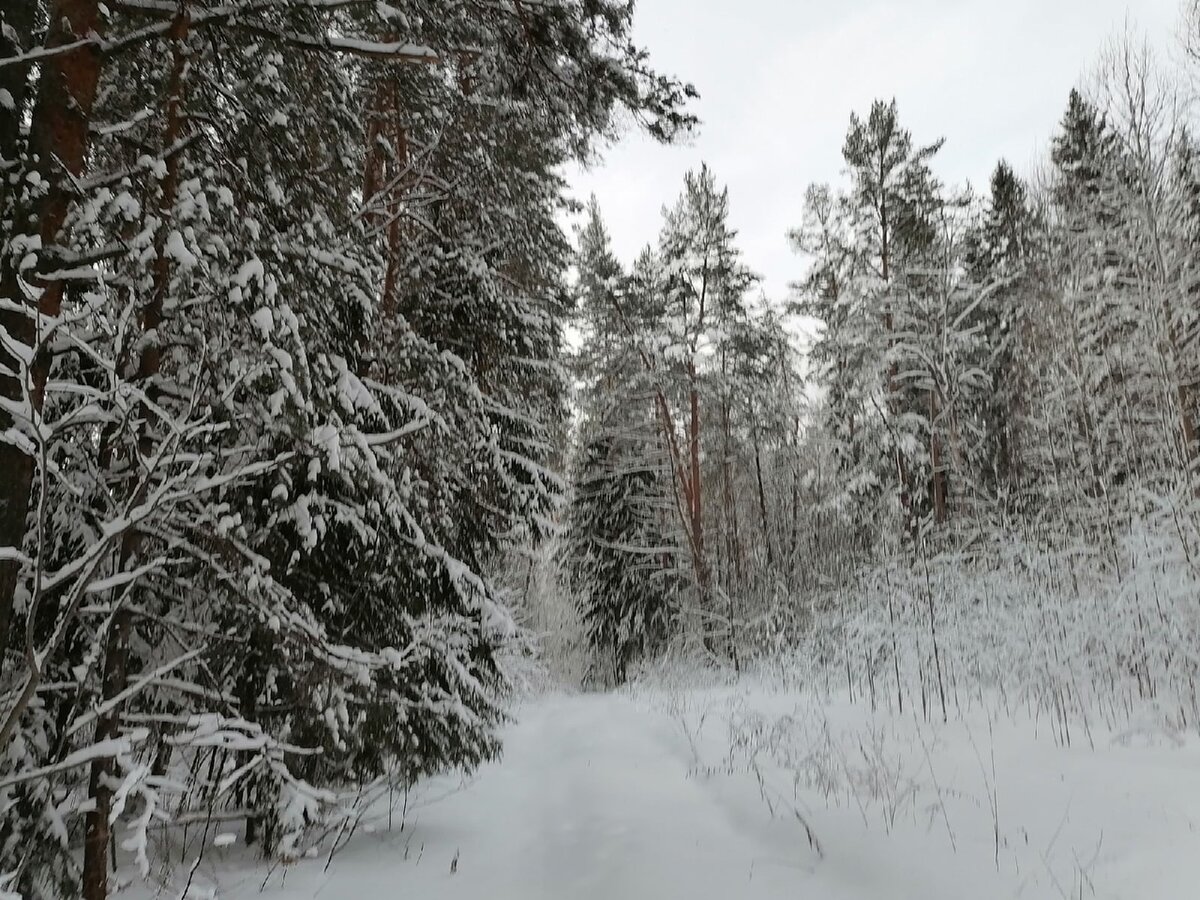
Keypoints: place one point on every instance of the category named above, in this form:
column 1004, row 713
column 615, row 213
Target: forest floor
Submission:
column 748, row 792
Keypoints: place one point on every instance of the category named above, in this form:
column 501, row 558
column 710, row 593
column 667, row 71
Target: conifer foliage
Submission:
column 689, row 396
column 1008, row 386
column 280, row 307
column 620, row 550
column 991, row 378
column 286, row 385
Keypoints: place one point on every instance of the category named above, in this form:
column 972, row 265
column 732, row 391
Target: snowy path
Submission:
column 593, row 799
column 601, row 796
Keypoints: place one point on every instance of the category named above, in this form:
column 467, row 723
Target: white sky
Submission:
column 779, row 78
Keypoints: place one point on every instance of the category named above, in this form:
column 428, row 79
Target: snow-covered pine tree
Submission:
column 867, row 243
column 704, row 287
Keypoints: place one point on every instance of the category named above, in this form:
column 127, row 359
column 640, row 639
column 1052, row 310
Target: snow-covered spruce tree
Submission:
column 248, row 505
column 619, row 550
column 1112, row 429
column 621, row 565
column 1084, row 227
column 1004, row 260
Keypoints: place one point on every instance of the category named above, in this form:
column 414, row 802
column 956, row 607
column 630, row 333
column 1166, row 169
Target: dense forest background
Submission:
column 983, row 468
column 318, row 433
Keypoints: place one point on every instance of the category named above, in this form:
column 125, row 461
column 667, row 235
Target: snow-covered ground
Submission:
column 747, row 792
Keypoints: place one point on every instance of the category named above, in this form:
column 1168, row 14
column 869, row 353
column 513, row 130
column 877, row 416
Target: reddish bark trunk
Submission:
column 59, row 140
column 385, row 179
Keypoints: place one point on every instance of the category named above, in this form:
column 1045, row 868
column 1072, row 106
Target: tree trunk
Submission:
column 793, row 544
column 735, row 539
column 116, row 653
column 762, row 498
column 97, row 832
column 889, row 325
column 695, row 502
column 1185, row 394
column 387, row 158
column 59, row 140
column 938, row 473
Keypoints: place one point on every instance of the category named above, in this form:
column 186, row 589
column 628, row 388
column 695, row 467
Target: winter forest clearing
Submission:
column 370, row 527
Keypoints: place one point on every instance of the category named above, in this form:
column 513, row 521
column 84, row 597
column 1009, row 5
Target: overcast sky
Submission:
column 779, row 78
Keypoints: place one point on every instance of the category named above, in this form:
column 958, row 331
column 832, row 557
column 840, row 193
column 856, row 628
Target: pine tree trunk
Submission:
column 793, row 544
column 696, row 506
column 938, row 473
column 392, row 276
column 1187, row 416
column 383, row 172
column 889, row 326
column 59, row 138
column 97, row 831
column 1186, row 396
column 116, row 654
column 735, row 539
column 762, row 498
